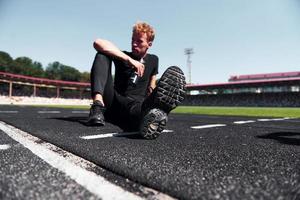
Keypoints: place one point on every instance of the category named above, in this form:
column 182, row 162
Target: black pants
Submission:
column 120, row 110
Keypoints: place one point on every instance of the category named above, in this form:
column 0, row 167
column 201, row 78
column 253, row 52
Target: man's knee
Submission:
column 101, row 63
column 100, row 57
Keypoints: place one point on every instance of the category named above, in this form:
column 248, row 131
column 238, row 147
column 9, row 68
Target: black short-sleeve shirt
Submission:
column 123, row 72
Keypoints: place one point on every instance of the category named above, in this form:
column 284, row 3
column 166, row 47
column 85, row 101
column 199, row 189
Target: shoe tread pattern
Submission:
column 170, row 89
column 154, row 117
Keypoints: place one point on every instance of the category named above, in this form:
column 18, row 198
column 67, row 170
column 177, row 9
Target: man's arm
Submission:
column 108, row 48
column 152, row 84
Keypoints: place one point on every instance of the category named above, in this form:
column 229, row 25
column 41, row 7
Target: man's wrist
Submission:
column 127, row 61
column 151, row 89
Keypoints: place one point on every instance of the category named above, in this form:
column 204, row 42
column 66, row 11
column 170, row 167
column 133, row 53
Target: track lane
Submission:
column 219, row 162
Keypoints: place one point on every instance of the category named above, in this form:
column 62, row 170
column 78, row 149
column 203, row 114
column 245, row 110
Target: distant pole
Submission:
column 57, row 92
column 189, row 52
column 34, row 90
column 10, row 93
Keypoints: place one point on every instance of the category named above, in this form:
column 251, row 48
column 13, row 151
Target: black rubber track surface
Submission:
column 258, row 160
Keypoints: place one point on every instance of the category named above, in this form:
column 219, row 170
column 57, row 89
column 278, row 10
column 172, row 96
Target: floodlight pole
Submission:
column 189, row 52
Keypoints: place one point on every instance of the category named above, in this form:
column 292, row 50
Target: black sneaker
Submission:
column 168, row 94
column 96, row 117
column 153, row 123
column 170, row 90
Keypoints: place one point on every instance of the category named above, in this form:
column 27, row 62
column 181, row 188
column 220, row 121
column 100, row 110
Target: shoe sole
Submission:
column 170, row 89
column 152, row 125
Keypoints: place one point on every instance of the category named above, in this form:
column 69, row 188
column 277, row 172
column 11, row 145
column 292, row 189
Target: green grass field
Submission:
column 240, row 111
column 227, row 111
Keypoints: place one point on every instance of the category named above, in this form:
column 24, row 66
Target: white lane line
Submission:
column 168, row 131
column 244, row 122
column 4, row 146
column 279, row 119
column 9, row 111
column 80, row 111
column 48, row 111
column 74, row 166
column 107, row 135
column 207, row 126
column 274, row 119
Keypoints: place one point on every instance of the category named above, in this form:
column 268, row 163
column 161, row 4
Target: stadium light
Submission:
column 189, row 52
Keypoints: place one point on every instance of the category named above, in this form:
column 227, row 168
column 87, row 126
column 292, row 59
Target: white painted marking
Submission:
column 4, row 146
column 80, row 111
column 74, row 166
column 243, row 122
column 9, row 111
column 207, row 126
column 107, row 135
column 274, row 119
column 264, row 120
column 168, row 131
column 279, row 119
column 48, row 111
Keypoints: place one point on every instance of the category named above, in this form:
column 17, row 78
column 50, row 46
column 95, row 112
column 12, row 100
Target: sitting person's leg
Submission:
column 101, row 89
column 124, row 112
column 168, row 94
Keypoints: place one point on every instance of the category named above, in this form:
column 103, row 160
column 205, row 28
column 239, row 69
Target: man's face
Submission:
column 140, row 44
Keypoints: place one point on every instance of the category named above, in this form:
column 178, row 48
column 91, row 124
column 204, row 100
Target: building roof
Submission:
column 256, row 80
column 266, row 76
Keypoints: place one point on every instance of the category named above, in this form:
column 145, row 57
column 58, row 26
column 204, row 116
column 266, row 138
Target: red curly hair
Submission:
column 143, row 27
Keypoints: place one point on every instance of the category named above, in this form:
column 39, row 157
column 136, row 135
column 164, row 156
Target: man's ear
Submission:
column 150, row 43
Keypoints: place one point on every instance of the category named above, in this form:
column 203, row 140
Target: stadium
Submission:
column 196, row 155
column 231, row 133
column 270, row 90
column 267, row 90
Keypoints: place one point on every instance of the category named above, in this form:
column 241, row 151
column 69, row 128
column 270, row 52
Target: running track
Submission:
column 197, row 157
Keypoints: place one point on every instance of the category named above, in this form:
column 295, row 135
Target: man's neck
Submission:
column 138, row 57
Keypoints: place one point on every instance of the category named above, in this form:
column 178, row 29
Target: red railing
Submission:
column 45, row 81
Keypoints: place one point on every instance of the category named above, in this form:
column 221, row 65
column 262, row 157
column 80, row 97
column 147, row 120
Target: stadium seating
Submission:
column 280, row 99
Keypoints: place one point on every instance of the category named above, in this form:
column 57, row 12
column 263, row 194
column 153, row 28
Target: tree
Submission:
column 70, row 73
column 25, row 66
column 37, row 70
column 60, row 71
column 20, row 65
column 85, row 77
column 5, row 61
column 53, row 71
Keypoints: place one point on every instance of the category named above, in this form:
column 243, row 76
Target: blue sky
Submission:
column 229, row 37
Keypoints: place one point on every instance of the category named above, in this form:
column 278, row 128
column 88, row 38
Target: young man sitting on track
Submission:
column 132, row 100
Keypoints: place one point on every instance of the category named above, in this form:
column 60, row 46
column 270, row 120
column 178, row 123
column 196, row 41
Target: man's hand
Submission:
column 108, row 48
column 138, row 66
